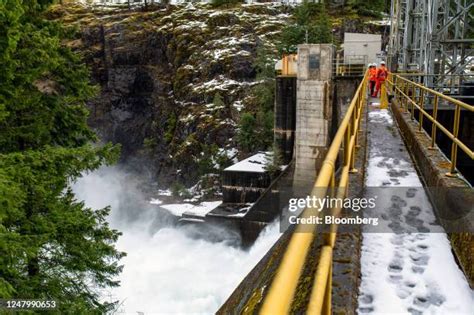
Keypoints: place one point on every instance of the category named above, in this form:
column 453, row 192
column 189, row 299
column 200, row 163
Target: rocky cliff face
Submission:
column 161, row 71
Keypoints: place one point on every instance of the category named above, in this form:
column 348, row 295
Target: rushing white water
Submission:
column 167, row 268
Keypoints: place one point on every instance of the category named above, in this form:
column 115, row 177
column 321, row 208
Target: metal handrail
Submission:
column 414, row 95
column 420, row 74
column 282, row 290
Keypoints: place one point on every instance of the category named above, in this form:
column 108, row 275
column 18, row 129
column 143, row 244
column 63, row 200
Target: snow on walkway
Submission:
column 408, row 272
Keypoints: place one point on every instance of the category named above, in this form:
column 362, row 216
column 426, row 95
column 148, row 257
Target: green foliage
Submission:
column 205, row 161
column 312, row 24
column 179, row 190
column 255, row 131
column 264, row 91
column 171, row 126
column 222, row 160
column 149, row 144
column 368, row 8
column 265, row 122
column 275, row 161
column 211, row 159
column 226, row 3
column 52, row 246
column 246, row 136
column 218, row 101
column 219, row 106
column 256, row 126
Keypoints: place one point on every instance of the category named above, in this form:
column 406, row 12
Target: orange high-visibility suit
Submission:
column 372, row 79
column 382, row 74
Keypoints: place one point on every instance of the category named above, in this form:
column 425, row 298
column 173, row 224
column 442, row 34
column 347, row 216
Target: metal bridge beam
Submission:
column 431, row 36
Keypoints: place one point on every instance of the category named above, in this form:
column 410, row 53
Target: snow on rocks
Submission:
column 221, row 83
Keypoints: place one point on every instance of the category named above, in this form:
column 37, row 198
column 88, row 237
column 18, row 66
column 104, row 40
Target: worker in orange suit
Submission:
column 372, row 77
column 382, row 74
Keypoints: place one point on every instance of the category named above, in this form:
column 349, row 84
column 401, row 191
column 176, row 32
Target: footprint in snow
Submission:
column 411, row 192
column 413, row 311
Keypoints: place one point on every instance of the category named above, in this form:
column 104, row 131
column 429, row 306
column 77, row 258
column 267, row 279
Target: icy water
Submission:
column 406, row 273
column 167, row 268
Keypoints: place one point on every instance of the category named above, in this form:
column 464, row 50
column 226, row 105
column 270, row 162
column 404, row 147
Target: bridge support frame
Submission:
column 432, row 37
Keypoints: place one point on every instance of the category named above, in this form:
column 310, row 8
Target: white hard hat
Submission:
column 382, row 62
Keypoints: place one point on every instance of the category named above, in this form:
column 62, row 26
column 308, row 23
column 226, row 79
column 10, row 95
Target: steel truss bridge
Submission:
column 432, row 37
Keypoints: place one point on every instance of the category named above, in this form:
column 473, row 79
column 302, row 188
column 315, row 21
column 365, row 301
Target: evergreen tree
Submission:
column 372, row 8
column 264, row 91
column 217, row 101
column 256, row 130
column 51, row 245
column 247, row 137
column 311, row 24
column 274, row 162
column 265, row 122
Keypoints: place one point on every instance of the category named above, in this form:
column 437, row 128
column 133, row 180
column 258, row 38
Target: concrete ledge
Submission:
column 433, row 165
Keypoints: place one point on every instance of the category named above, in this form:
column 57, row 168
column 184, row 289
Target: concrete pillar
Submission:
column 313, row 110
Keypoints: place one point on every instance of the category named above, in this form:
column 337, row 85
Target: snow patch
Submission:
column 199, row 210
column 256, row 164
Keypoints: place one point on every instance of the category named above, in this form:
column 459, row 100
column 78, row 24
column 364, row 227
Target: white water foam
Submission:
column 167, row 270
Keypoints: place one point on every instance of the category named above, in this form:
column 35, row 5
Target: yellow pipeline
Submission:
column 317, row 300
column 282, row 290
column 320, row 300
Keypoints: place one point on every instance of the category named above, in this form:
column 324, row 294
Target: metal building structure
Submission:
column 432, row 37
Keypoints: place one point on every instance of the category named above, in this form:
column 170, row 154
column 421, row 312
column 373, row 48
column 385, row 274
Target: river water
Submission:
column 167, row 268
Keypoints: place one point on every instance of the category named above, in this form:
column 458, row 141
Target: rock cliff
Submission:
column 160, row 71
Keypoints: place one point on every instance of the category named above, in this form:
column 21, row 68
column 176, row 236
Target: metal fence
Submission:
column 415, row 96
column 455, row 85
column 350, row 66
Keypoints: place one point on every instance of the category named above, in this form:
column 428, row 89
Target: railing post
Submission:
column 405, row 96
column 394, row 85
column 356, row 115
column 413, row 91
column 421, row 100
column 396, row 90
column 454, row 147
column 433, row 125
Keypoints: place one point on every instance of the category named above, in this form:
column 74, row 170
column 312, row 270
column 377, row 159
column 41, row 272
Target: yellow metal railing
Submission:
column 413, row 96
column 282, row 290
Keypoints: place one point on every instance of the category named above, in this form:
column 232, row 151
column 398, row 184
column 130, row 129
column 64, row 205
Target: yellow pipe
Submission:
column 317, row 291
column 278, row 300
column 316, row 301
